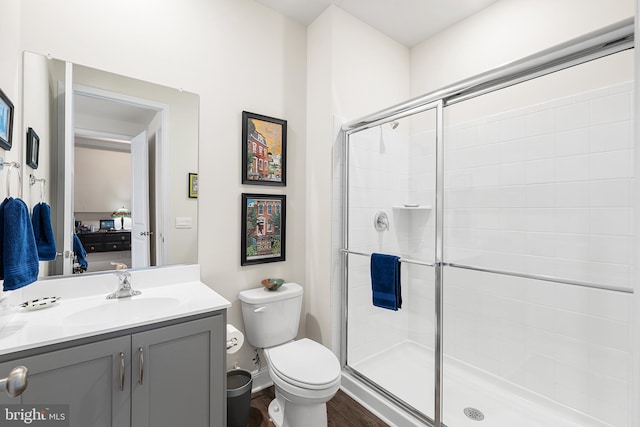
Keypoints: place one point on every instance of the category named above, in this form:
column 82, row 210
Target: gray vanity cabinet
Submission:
column 178, row 375
column 85, row 377
column 173, row 376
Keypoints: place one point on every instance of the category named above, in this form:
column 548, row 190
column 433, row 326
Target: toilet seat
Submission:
column 305, row 364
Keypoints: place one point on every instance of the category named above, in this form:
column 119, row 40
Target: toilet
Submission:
column 306, row 375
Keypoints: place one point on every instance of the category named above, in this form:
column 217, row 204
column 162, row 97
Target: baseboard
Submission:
column 261, row 380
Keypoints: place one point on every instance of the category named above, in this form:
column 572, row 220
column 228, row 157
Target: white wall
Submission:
column 237, row 55
column 38, row 78
column 504, row 32
column 353, row 70
column 10, row 74
column 102, row 180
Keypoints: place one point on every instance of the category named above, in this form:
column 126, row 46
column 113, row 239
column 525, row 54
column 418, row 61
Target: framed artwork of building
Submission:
column 263, row 228
column 6, row 121
column 193, row 185
column 264, row 150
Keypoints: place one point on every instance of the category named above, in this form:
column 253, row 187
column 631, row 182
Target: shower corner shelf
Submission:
column 413, row 208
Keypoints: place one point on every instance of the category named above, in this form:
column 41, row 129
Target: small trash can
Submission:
column 239, row 383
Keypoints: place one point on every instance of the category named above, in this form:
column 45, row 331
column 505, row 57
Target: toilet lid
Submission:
column 305, row 362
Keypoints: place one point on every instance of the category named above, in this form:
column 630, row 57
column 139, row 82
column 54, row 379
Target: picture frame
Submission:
column 263, row 228
column 33, row 148
column 193, row 185
column 6, row 121
column 264, row 150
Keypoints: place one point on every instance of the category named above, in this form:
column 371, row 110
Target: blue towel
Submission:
column 385, row 281
column 19, row 252
column 81, row 255
column 43, row 232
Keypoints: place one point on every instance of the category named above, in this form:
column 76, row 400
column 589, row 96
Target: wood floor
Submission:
column 342, row 411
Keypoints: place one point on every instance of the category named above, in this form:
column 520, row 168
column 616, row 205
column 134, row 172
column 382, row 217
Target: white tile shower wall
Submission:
column 546, row 189
column 387, row 169
column 378, row 179
column 570, row 344
column 560, row 205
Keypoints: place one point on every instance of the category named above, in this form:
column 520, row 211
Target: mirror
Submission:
column 115, row 158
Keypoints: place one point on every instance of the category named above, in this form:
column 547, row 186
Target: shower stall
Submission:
column 509, row 199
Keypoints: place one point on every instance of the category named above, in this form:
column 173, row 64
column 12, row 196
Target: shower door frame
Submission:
column 609, row 40
column 437, row 263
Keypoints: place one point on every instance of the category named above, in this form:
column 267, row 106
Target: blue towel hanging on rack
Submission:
column 43, row 232
column 19, row 252
column 385, row 281
column 81, row 254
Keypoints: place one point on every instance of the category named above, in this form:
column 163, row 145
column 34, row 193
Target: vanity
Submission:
column 155, row 359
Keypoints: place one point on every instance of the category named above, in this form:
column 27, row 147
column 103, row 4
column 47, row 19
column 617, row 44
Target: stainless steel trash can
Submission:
column 239, row 383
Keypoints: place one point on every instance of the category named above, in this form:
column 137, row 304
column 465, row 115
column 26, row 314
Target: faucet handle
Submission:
column 119, row 265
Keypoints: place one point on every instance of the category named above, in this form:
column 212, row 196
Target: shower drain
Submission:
column 474, row 414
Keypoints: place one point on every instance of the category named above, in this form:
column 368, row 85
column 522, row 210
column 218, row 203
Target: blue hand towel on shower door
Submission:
column 385, row 281
column 19, row 251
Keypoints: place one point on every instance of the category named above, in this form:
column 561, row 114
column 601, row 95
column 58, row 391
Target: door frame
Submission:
column 162, row 154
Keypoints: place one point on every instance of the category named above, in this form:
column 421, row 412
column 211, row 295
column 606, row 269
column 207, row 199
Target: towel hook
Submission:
column 42, row 181
column 12, row 165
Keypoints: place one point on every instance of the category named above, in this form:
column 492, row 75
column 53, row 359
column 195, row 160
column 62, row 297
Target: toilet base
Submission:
column 284, row 413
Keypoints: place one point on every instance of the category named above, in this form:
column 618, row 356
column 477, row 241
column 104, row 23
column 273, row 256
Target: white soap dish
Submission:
column 411, row 205
column 40, row 303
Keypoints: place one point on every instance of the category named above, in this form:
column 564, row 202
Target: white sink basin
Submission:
column 168, row 294
column 132, row 308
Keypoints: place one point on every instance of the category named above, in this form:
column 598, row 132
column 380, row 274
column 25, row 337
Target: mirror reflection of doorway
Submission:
column 115, row 158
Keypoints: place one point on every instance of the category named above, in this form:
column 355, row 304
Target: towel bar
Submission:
column 405, row 260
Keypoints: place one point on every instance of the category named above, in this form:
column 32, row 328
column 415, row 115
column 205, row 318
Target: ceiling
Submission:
column 407, row 21
column 108, row 124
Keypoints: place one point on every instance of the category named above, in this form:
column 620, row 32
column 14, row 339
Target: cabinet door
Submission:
column 179, row 375
column 86, row 377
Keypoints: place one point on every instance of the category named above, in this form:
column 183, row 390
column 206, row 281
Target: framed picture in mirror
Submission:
column 33, row 148
column 6, row 121
column 263, row 228
column 193, row 185
column 264, row 150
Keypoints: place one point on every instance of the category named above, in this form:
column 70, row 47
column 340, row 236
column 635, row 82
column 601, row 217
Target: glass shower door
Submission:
column 391, row 209
column 538, row 246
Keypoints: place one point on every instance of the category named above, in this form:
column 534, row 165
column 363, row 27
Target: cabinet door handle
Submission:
column 121, row 371
column 16, row 381
column 140, row 365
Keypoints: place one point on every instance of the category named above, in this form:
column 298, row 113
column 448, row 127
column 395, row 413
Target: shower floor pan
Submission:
column 502, row 404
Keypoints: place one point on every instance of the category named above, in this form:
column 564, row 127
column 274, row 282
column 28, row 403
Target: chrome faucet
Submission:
column 124, row 288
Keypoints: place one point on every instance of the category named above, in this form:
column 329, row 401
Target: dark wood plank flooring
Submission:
column 342, row 411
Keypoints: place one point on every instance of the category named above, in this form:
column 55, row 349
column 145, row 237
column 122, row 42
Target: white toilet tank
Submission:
column 271, row 317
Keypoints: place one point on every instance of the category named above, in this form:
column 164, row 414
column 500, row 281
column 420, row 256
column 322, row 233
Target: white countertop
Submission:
column 168, row 293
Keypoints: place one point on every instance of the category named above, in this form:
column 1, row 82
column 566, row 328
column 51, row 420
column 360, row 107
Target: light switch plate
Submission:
column 184, row 222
